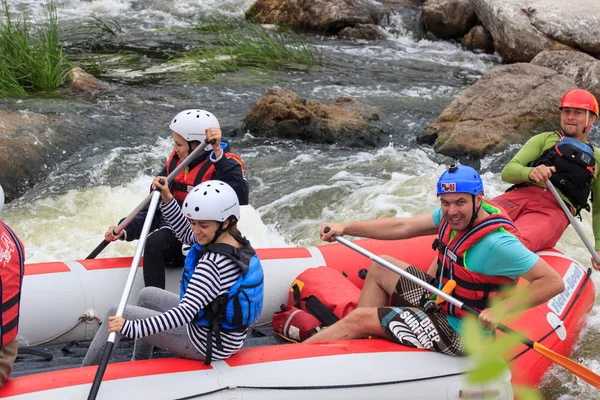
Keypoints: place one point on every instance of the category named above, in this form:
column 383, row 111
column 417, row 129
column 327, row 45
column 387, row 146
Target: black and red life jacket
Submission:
column 575, row 165
column 472, row 288
column 11, row 278
column 196, row 173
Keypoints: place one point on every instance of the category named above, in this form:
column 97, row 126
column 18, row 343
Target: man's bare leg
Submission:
column 359, row 323
column 380, row 284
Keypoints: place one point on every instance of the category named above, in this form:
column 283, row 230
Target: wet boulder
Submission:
column 319, row 16
column 283, row 113
column 507, row 105
column 521, row 29
column 364, row 32
column 448, row 19
column 582, row 68
column 82, row 82
column 398, row 4
column 478, row 40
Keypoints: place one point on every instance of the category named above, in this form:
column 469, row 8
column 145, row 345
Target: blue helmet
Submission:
column 460, row 179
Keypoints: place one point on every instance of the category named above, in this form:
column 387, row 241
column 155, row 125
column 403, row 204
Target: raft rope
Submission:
column 317, row 387
column 82, row 318
column 562, row 320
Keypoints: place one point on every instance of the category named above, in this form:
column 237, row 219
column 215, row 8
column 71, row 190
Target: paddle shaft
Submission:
column 573, row 222
column 423, row 284
column 184, row 163
column 578, row 370
column 405, row 274
column 155, row 197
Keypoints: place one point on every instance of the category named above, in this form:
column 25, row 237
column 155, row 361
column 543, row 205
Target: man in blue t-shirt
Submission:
column 478, row 248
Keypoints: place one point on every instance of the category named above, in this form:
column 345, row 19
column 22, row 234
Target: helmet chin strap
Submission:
column 190, row 143
column 588, row 126
column 218, row 233
column 587, row 118
column 220, row 229
column 474, row 216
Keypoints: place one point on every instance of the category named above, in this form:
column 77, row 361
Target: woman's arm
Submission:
column 203, row 288
column 180, row 225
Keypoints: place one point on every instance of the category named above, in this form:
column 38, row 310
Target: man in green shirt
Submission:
column 571, row 164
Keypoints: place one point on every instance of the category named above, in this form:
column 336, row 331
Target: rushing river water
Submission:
column 295, row 186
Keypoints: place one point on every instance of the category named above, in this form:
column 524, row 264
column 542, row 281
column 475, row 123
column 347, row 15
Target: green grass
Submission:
column 31, row 57
column 242, row 44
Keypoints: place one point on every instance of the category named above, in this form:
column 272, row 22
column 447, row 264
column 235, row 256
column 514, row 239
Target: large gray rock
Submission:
column 448, row 19
column 507, row 105
column 522, row 29
column 582, row 68
column 575, row 23
column 283, row 113
column 320, row 16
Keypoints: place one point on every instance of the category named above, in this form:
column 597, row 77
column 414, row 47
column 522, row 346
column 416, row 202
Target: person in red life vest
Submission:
column 190, row 129
column 12, row 260
column 572, row 165
column 477, row 246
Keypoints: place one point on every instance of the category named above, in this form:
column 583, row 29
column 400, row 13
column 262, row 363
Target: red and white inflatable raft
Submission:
column 61, row 300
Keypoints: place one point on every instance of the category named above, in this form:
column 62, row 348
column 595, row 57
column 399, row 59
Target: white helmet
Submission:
column 211, row 201
column 192, row 124
column 1, row 199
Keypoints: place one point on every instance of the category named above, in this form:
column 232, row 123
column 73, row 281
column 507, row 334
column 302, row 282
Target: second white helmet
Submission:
column 211, row 201
column 192, row 124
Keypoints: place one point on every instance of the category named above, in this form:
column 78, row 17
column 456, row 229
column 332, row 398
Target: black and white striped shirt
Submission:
column 214, row 275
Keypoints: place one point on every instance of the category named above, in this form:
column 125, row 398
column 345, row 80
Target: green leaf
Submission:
column 473, row 337
column 487, row 369
column 526, row 393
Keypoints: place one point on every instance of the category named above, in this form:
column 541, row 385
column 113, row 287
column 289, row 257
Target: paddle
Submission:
column 577, row 369
column 573, row 221
column 155, row 197
column 145, row 202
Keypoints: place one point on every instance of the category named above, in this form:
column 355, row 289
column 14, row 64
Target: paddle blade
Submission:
column 577, row 369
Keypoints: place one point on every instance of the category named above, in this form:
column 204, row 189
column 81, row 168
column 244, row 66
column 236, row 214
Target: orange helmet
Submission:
column 579, row 98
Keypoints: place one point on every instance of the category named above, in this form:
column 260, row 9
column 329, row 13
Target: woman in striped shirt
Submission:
column 174, row 323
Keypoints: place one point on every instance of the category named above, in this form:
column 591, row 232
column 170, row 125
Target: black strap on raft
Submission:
column 29, row 351
column 320, row 310
column 315, row 306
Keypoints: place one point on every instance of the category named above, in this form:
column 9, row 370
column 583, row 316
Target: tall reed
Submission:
column 31, row 55
column 242, row 44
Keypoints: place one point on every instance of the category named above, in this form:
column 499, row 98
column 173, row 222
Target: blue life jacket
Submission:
column 242, row 304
